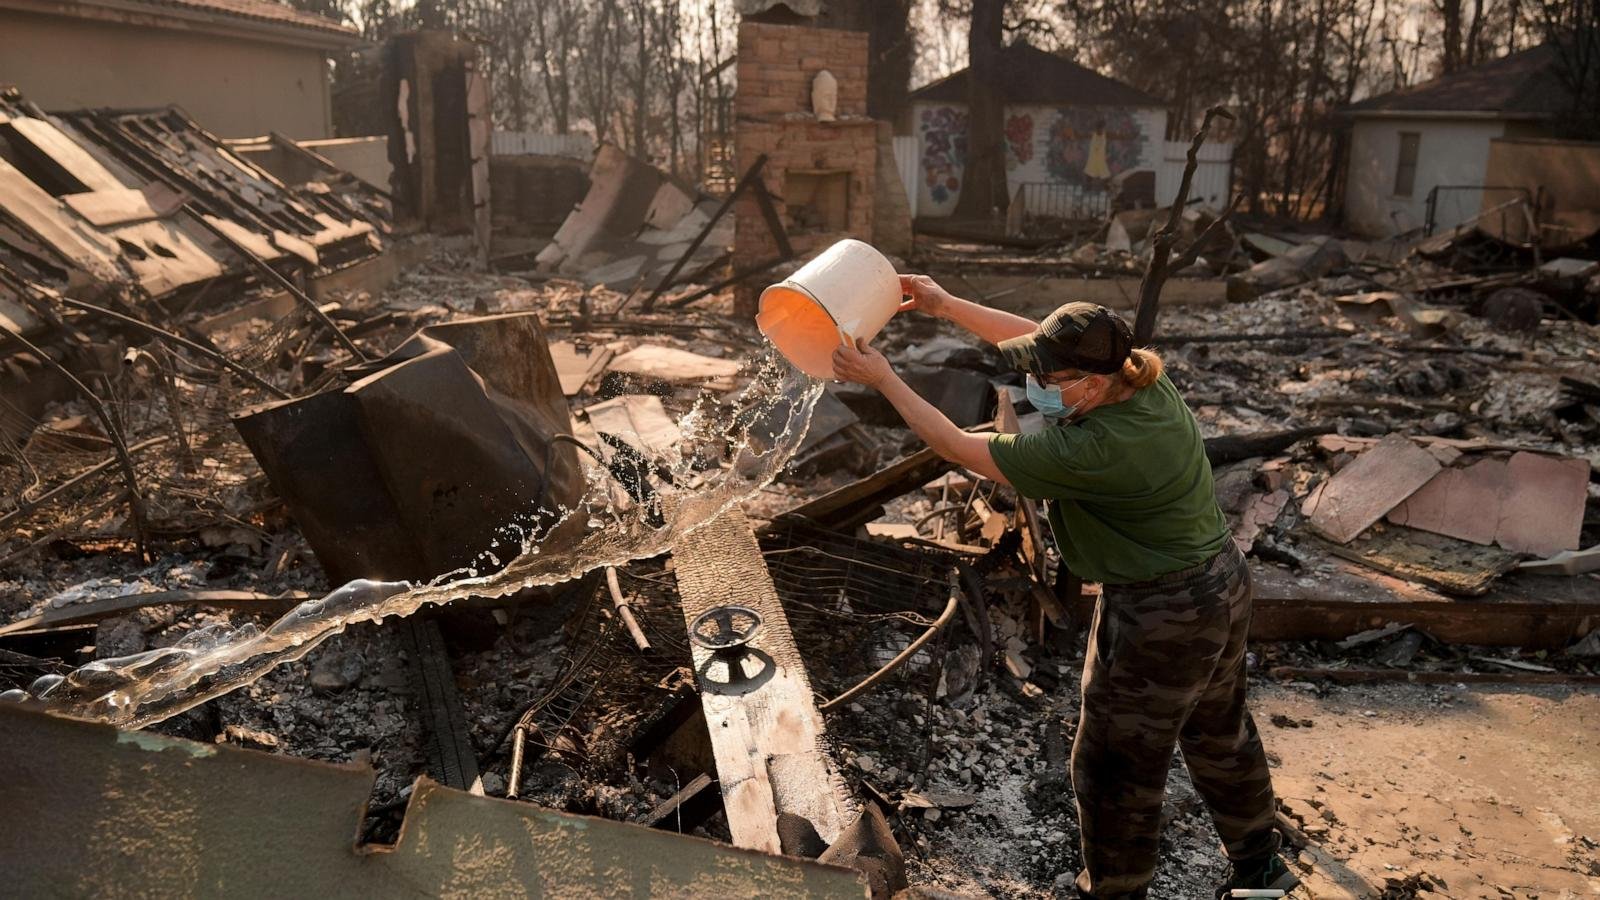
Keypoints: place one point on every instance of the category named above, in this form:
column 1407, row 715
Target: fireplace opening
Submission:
column 817, row 200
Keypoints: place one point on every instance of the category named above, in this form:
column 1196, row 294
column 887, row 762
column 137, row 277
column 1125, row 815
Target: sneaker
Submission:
column 1271, row 875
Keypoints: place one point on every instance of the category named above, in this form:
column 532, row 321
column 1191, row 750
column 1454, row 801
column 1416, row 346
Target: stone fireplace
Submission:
column 820, row 174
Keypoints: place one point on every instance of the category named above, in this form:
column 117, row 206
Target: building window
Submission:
column 1405, row 171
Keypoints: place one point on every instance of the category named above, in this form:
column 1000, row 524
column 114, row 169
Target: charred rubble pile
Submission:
column 1398, row 434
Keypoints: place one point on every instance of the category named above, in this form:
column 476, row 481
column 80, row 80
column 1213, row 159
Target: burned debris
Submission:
column 485, row 499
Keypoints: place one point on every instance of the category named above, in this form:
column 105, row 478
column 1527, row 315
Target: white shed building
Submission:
column 1417, row 156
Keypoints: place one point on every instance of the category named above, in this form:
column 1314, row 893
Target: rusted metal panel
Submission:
column 93, row 811
column 416, row 469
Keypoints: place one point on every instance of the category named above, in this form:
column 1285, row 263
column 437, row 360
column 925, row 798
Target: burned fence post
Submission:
column 1155, row 274
column 135, row 498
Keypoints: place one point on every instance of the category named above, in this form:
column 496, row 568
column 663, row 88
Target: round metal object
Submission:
column 725, row 629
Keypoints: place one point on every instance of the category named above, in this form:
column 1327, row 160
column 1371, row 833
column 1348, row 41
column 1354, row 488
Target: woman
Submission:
column 1132, row 506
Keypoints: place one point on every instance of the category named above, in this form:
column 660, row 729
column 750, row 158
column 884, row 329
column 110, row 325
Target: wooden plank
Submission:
column 1363, row 491
column 672, row 364
column 122, row 206
column 65, row 153
column 45, row 218
column 577, row 369
column 767, row 735
column 637, row 419
column 1452, row 566
column 861, row 501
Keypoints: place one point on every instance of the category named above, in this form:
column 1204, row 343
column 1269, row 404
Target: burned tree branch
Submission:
column 181, row 341
column 1155, row 274
column 1191, row 255
column 135, row 498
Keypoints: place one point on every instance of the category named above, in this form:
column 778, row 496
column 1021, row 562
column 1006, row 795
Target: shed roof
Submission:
column 1521, row 85
column 1030, row 75
column 262, row 18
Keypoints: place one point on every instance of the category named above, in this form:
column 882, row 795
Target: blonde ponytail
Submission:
column 1142, row 368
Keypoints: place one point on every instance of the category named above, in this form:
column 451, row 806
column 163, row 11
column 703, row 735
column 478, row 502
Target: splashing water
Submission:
column 731, row 448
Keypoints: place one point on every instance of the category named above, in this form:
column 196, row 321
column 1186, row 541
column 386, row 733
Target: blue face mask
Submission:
column 1047, row 399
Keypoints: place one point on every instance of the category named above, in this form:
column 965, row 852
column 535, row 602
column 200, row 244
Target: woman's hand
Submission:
column 925, row 295
column 861, row 364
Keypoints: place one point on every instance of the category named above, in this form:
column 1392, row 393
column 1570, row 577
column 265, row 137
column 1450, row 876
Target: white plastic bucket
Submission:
column 848, row 291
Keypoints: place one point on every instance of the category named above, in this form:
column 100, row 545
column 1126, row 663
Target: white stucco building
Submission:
column 1432, row 141
column 241, row 68
column 1073, row 136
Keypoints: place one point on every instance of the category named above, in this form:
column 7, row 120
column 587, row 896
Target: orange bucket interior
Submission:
column 800, row 328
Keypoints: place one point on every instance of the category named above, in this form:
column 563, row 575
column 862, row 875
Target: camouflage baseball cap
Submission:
column 1078, row 335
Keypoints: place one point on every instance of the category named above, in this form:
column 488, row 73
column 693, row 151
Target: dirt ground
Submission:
column 1405, row 791
column 1440, row 790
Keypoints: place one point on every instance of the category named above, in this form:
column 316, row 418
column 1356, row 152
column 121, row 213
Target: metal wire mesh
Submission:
column 852, row 605
column 59, row 477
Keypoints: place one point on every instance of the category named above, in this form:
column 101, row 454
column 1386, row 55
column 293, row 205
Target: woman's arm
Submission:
column 867, row 366
column 993, row 325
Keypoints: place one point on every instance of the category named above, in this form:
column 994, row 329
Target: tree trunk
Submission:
column 983, row 187
column 1451, row 59
column 889, row 56
column 1475, row 53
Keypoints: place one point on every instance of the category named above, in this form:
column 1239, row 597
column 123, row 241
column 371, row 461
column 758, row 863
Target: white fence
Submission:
column 517, row 143
column 908, row 159
column 1213, row 174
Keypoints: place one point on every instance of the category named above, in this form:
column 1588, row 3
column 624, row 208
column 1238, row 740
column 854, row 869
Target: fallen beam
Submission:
column 95, row 610
column 767, row 736
column 1530, row 611
column 862, row 501
column 1381, row 676
column 688, row 809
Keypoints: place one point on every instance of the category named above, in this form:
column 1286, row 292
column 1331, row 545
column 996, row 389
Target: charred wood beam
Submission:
column 692, row 806
column 1229, row 448
column 1371, row 676
column 451, row 758
column 744, row 184
column 95, row 610
column 1155, row 274
column 861, row 501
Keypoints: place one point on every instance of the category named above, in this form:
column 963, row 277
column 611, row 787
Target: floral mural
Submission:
column 944, row 151
column 1019, row 140
column 1091, row 145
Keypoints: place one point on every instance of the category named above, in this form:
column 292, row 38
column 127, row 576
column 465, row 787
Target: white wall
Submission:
column 1213, row 173
column 1044, row 144
column 1449, row 152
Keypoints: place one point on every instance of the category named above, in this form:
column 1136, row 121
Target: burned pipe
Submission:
column 911, row 649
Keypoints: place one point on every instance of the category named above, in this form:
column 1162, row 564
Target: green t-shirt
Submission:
column 1129, row 487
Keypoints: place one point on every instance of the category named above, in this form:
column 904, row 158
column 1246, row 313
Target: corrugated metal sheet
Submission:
column 907, row 158
column 1213, row 176
column 516, row 143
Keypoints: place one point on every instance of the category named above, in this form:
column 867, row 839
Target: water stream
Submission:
column 732, row 447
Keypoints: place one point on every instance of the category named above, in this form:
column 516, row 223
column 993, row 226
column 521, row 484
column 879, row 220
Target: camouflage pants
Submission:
column 1166, row 666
